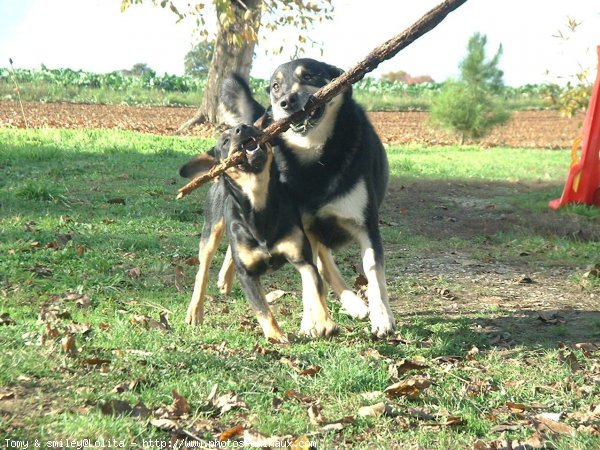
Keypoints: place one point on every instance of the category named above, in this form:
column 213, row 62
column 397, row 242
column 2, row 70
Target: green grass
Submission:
column 60, row 234
column 495, row 164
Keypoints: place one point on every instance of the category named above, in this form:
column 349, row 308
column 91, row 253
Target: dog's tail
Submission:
column 237, row 103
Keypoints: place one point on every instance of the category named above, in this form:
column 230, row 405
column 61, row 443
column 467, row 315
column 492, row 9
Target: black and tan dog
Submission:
column 336, row 169
column 265, row 231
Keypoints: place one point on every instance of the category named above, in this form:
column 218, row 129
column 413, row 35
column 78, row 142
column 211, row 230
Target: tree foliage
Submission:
column 238, row 22
column 478, row 72
column 401, row 76
column 197, row 60
column 274, row 15
column 140, row 70
column 470, row 105
column 575, row 95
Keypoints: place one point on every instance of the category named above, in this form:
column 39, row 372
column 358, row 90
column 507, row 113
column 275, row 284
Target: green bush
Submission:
column 472, row 105
column 468, row 112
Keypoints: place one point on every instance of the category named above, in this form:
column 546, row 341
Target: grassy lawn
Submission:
column 497, row 319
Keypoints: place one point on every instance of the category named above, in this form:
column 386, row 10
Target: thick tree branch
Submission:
column 382, row 53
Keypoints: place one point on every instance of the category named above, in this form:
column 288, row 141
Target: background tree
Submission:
column 140, row 70
column 471, row 106
column 238, row 23
column 476, row 71
column 197, row 60
column 575, row 95
column 404, row 77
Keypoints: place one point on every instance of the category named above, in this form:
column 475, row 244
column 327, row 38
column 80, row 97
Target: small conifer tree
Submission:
column 472, row 105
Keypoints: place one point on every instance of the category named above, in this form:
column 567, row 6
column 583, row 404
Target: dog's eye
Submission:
column 307, row 77
column 226, row 142
column 275, row 87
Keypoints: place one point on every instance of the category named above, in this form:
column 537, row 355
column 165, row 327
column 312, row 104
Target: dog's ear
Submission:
column 265, row 120
column 237, row 105
column 333, row 72
column 200, row 165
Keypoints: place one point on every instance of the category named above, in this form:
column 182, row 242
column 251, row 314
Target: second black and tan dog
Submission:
column 335, row 167
column 265, row 231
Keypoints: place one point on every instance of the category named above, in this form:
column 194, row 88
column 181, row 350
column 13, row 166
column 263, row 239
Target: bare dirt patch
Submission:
column 528, row 297
column 531, row 129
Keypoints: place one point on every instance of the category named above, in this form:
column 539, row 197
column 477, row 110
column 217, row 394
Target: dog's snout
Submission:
column 241, row 128
column 289, row 102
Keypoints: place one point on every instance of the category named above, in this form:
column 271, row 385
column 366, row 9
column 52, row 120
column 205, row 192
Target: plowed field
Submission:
column 537, row 129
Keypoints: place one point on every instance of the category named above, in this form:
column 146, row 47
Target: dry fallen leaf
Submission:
column 231, row 433
column 126, row 386
column 275, row 295
column 376, row 410
column 420, row 414
column 588, row 348
column 314, row 414
column 165, row 424
column 592, row 272
column 371, row 396
column 68, row 345
column 502, row 427
column 411, row 388
column 140, row 411
column 134, row 273
column 254, row 439
column 310, row 371
column 95, row 361
column 406, row 365
column 192, row 261
column 550, row 318
column 522, row 279
column 116, row 407
column 6, row 320
column 7, row 395
column 569, row 358
column 293, row 395
column 302, row 443
column 180, row 405
column 148, row 323
column 451, row 421
column 543, row 423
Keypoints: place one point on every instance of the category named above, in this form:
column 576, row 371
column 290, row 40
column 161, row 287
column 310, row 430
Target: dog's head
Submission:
column 291, row 86
column 258, row 158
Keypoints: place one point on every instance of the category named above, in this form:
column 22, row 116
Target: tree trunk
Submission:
column 226, row 58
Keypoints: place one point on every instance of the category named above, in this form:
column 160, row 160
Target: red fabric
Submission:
column 583, row 182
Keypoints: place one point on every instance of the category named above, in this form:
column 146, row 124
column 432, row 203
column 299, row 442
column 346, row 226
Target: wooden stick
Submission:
column 215, row 171
column 382, row 53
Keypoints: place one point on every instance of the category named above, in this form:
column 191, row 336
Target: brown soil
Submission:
column 538, row 129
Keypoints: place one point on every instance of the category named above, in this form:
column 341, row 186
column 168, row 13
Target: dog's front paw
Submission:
column 278, row 339
column 382, row 322
column 353, row 305
column 318, row 328
column 193, row 316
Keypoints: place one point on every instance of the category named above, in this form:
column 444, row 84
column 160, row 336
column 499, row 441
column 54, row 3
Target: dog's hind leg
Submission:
column 256, row 298
column 211, row 236
column 382, row 318
column 351, row 303
column 316, row 319
column 225, row 280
